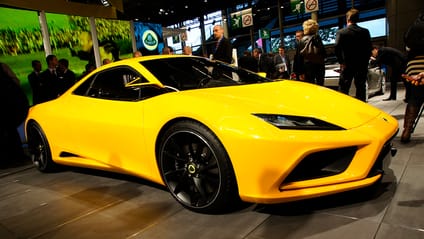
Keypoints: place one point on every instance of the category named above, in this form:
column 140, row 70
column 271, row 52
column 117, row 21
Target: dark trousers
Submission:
column 360, row 74
column 395, row 76
column 314, row 73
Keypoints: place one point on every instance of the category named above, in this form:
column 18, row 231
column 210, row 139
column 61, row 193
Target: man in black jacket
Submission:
column 394, row 59
column 247, row 61
column 49, row 89
column 353, row 50
column 222, row 50
column 298, row 58
column 66, row 77
column 35, row 81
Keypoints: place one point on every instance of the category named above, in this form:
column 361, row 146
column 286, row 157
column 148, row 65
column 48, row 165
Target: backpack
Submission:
column 313, row 49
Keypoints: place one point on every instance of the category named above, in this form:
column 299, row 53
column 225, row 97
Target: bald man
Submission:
column 222, row 51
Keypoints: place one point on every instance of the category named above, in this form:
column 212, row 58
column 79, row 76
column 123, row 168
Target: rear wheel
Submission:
column 39, row 148
column 196, row 168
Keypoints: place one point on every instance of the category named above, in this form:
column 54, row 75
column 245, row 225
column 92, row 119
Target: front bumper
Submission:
column 263, row 177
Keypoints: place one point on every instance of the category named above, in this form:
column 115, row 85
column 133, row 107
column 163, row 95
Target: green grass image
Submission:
column 21, row 41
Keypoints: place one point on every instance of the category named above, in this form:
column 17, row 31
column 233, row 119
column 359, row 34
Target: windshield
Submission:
column 186, row 73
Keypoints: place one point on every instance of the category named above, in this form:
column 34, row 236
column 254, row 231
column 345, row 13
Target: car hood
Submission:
column 289, row 98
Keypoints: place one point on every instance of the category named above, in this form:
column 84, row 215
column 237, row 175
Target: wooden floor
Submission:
column 77, row 203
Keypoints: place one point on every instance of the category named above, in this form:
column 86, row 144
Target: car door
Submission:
column 108, row 120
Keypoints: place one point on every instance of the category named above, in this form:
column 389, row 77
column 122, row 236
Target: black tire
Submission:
column 196, row 169
column 39, row 149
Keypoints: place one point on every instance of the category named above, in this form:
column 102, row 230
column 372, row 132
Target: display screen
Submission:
column 149, row 38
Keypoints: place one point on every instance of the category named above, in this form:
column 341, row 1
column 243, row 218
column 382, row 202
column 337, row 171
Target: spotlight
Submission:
column 106, row 3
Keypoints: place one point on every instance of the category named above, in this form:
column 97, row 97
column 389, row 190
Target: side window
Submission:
column 177, row 73
column 113, row 84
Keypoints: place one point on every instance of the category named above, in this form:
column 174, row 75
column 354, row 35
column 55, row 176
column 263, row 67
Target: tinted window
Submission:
column 117, row 83
column 193, row 73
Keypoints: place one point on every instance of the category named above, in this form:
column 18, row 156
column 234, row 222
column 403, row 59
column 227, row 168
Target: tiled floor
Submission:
column 89, row 204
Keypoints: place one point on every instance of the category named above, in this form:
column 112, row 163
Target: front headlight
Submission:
column 297, row 122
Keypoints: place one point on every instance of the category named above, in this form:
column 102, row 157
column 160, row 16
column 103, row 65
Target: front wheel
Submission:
column 196, row 168
column 39, row 148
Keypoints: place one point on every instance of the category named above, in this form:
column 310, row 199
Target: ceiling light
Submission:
column 106, row 3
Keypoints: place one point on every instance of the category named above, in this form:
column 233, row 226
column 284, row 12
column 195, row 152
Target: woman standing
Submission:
column 313, row 52
column 414, row 42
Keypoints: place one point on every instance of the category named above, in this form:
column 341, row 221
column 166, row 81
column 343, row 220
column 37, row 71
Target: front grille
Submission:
column 322, row 164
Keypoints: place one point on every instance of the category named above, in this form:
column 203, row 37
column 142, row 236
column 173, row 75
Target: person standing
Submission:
column 105, row 61
column 187, row 51
column 313, row 53
column 88, row 69
column 264, row 62
column 247, row 61
column 394, row 59
column 166, row 51
column 223, row 49
column 34, row 81
column 137, row 54
column 414, row 43
column 14, row 106
column 281, row 64
column 49, row 80
column 353, row 50
column 298, row 59
column 66, row 77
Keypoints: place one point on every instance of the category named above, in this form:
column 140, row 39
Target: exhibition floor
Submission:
column 76, row 203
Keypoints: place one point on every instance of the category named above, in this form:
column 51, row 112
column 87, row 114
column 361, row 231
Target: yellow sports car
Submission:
column 212, row 133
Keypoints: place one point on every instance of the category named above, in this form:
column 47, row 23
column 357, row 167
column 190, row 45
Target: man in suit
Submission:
column 353, row 50
column 264, row 62
column 223, row 49
column 298, row 58
column 66, row 77
column 281, row 64
column 49, row 80
column 34, row 81
column 247, row 61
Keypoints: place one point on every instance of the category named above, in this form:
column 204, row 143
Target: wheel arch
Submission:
column 28, row 124
column 230, row 193
column 170, row 123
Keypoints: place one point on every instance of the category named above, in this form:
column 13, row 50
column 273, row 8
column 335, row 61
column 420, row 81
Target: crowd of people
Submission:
column 53, row 81
column 353, row 49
